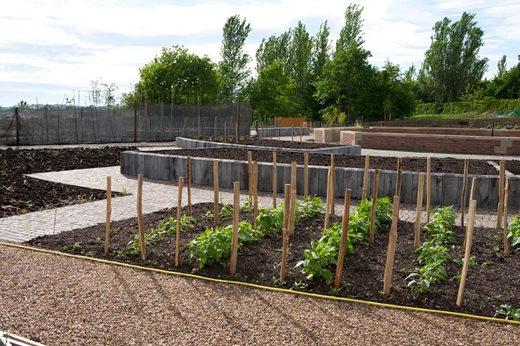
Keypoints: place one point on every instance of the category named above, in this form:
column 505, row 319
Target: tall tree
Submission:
column 352, row 32
column 179, row 77
column 452, row 63
column 275, row 48
column 501, row 66
column 299, row 66
column 233, row 67
column 320, row 50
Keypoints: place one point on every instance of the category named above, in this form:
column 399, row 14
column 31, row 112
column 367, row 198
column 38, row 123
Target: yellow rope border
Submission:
column 266, row 288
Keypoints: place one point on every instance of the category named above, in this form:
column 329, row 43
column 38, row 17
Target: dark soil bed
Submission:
column 20, row 194
column 262, row 142
column 439, row 165
column 513, row 166
column 492, row 280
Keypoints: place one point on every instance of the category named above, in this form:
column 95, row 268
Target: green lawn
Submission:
column 462, row 116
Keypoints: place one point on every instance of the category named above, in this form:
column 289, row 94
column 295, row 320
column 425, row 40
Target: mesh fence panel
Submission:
column 146, row 122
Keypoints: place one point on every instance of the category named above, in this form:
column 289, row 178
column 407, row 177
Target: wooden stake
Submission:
column 467, row 252
column 392, row 243
column 275, row 180
column 364, row 191
column 249, row 172
column 327, row 200
column 234, row 236
column 464, row 192
column 418, row 212
column 473, row 196
column 375, row 191
column 292, row 212
column 142, row 245
column 343, row 240
column 501, row 187
column 285, row 241
column 428, row 187
column 254, row 176
column 333, row 184
column 398, row 178
column 216, row 199
column 178, row 230
column 108, row 214
column 505, row 225
column 189, row 185
column 305, row 174
column 294, row 182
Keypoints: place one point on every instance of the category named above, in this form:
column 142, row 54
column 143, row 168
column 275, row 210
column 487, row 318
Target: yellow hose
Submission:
column 267, row 288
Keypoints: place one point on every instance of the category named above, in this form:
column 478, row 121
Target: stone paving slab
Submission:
column 156, row 196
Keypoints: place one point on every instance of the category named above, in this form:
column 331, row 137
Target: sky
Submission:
column 50, row 50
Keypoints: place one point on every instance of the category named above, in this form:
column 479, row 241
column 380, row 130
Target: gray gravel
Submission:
column 59, row 300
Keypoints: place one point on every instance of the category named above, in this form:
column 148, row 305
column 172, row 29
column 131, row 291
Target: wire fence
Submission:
column 142, row 123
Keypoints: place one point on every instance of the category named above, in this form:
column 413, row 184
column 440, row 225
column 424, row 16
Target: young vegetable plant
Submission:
column 214, row 244
column 433, row 254
column 509, row 312
column 320, row 259
column 167, row 228
column 514, row 231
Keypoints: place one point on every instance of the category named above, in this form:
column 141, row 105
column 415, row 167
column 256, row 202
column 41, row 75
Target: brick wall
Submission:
column 439, row 130
column 456, row 144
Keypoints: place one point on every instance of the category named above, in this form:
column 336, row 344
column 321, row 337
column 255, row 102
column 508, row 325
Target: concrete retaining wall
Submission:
column 189, row 143
column 445, row 187
column 328, row 134
column 283, row 131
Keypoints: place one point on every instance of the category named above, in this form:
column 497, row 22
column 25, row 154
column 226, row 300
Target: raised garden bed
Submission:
column 439, row 165
column 20, row 194
column 492, row 279
column 265, row 144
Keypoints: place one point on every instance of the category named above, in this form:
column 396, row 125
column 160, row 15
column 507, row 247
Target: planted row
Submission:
column 321, row 258
column 433, row 254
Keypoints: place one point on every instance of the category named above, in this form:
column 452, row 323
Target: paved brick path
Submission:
column 156, row 196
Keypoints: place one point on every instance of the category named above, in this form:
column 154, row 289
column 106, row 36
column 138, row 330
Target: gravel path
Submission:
column 58, row 300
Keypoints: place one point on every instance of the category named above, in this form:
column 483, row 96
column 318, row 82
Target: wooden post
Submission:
column 294, row 182
column 343, row 240
column 275, row 180
column 305, row 174
column 473, row 196
column 135, row 121
column 467, row 252
column 189, row 184
column 333, row 184
column 418, row 212
column 254, row 176
column 238, row 121
column 216, row 199
column 327, row 200
column 234, row 236
column 178, row 230
column 428, row 187
column 505, row 225
column 501, row 187
column 398, row 177
column 285, row 241
column 392, row 242
column 249, row 172
column 17, row 126
column 464, row 192
column 364, row 191
column 142, row 245
column 375, row 191
column 108, row 214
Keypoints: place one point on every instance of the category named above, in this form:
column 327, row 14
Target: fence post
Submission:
column 17, row 125
column 135, row 121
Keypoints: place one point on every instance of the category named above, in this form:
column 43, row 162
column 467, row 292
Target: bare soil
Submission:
column 20, row 194
column 492, row 279
column 439, row 165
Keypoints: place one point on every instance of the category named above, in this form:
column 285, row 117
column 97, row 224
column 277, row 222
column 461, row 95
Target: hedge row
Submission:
column 488, row 104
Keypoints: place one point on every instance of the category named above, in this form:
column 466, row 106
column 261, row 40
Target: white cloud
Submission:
column 395, row 30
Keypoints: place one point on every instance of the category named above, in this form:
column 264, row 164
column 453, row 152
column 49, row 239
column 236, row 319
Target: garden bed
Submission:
column 439, row 165
column 262, row 142
column 20, row 194
column 492, row 279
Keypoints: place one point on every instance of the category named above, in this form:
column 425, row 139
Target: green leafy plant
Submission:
column 509, row 312
column 514, row 231
column 214, row 244
column 433, row 254
column 166, row 228
column 309, row 207
column 247, row 206
column 320, row 258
